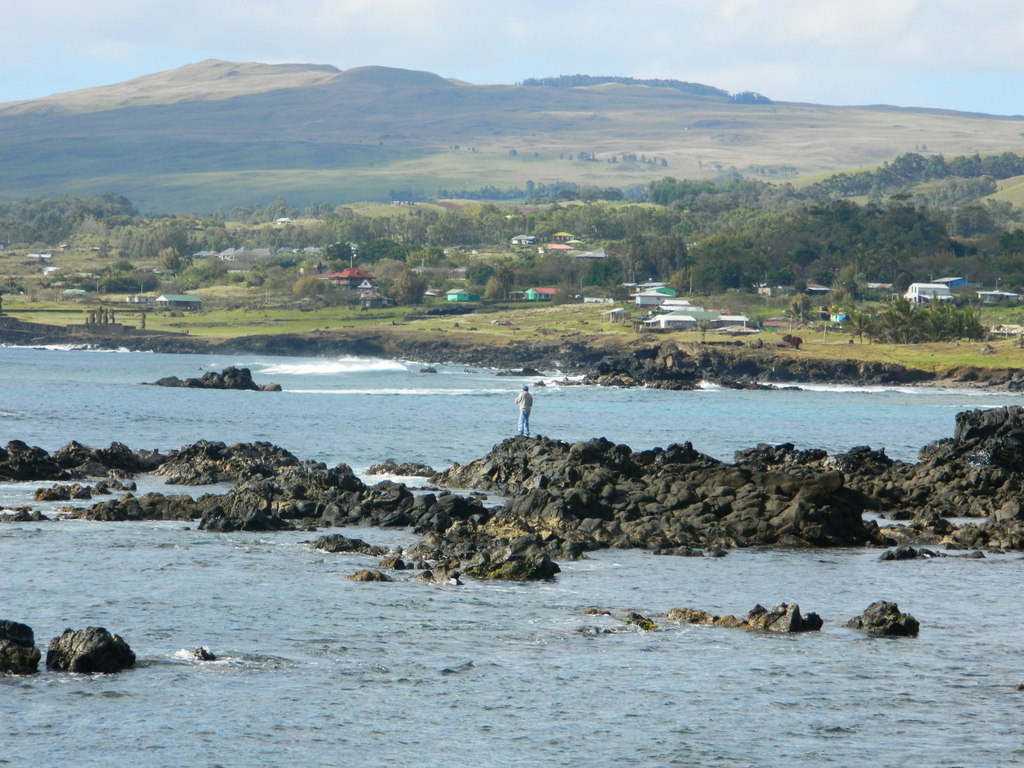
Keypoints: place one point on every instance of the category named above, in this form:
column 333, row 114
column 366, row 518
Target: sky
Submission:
column 950, row 54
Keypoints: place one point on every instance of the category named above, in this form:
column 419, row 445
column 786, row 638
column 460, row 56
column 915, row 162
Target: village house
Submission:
column 461, row 294
column 524, row 240
column 539, row 294
column 654, row 297
column 617, row 315
column 995, row 297
column 373, row 300
column 595, row 255
column 246, row 255
column 918, row 292
column 561, row 237
column 352, row 278
column 178, row 301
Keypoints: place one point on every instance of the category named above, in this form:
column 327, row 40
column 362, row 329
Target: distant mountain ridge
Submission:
column 218, row 134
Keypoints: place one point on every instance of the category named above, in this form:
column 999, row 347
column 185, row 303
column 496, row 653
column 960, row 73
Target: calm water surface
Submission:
column 316, row 670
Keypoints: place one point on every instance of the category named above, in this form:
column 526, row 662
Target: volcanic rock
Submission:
column 784, row 617
column 89, row 650
column 337, row 543
column 18, row 652
column 884, row 619
column 230, row 378
column 207, row 462
column 404, row 469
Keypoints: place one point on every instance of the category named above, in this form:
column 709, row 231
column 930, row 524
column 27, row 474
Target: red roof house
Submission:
column 351, row 277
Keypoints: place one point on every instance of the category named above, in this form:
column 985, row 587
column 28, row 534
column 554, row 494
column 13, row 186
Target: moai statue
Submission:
column 142, row 320
column 90, row 317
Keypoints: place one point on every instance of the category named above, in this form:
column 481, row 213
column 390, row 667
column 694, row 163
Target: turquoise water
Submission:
column 316, row 670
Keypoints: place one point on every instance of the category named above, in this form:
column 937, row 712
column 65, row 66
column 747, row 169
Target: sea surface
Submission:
column 316, row 670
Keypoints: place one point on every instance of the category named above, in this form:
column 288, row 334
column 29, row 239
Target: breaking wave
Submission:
column 335, row 367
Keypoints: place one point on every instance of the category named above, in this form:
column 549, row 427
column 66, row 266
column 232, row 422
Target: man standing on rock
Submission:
column 525, row 402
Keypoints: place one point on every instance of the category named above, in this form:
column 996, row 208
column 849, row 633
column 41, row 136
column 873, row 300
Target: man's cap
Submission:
column 525, row 387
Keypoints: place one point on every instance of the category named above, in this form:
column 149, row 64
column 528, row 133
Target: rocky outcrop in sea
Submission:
column 89, row 650
column 564, row 500
column 18, row 652
column 230, row 378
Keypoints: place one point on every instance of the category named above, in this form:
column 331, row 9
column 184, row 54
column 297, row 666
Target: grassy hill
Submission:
column 222, row 134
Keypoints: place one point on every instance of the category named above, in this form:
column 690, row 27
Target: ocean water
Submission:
column 317, row 670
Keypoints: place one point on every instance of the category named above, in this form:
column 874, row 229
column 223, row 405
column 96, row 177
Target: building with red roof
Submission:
column 352, row 278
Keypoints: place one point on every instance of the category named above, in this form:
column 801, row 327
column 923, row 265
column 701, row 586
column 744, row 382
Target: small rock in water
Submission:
column 203, row 654
column 642, row 622
column 883, row 619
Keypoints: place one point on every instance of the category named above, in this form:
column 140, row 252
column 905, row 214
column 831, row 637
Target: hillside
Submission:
column 219, row 134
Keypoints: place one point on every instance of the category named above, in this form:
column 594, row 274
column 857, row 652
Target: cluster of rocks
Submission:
column 61, row 492
column 784, row 617
column 230, row 378
column 880, row 619
column 87, row 651
column 567, row 499
column 595, row 494
column 977, row 473
column 20, row 461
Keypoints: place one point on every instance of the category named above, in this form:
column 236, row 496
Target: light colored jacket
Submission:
column 525, row 401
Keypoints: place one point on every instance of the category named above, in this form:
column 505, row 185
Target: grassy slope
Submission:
column 198, row 138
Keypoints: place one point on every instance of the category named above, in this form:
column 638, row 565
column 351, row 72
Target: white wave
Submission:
column 335, row 367
column 417, row 391
column 184, row 654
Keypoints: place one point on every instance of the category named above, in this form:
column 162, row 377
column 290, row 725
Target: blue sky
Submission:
column 948, row 54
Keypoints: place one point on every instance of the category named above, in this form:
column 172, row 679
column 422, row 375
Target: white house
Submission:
column 672, row 321
column 918, row 292
column 650, row 299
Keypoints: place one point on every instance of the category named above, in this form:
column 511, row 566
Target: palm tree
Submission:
column 860, row 322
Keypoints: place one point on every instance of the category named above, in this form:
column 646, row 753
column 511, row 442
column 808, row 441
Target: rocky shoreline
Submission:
column 564, row 500
column 640, row 361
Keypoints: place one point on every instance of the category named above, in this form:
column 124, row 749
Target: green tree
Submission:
column 408, row 287
column 169, row 259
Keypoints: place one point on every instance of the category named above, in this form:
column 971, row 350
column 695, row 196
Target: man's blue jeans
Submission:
column 524, row 423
